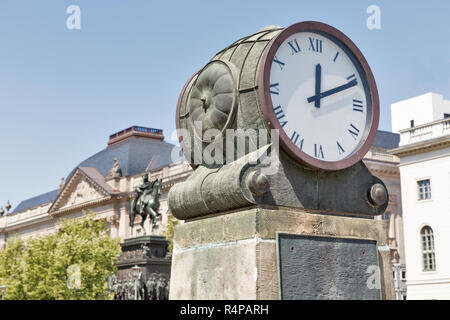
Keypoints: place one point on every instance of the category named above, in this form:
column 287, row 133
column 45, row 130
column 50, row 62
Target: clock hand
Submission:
column 349, row 84
column 318, row 80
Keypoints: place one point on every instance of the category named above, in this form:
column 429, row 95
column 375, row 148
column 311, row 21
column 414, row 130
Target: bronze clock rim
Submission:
column 266, row 100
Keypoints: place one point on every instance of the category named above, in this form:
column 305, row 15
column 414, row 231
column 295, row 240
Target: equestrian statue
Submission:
column 146, row 201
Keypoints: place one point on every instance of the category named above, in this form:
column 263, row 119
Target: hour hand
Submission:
column 318, row 81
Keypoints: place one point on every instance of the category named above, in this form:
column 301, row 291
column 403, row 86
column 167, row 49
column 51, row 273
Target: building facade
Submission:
column 385, row 166
column 424, row 153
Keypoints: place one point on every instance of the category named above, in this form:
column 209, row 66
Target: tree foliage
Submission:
column 171, row 223
column 71, row 264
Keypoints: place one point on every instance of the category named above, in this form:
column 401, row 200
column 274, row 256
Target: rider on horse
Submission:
column 146, row 201
column 144, row 188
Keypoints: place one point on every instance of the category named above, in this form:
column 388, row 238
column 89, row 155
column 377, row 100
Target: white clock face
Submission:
column 320, row 96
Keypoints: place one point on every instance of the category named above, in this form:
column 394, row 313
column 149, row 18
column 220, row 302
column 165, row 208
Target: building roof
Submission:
column 135, row 154
column 94, row 175
column 36, row 201
column 386, row 140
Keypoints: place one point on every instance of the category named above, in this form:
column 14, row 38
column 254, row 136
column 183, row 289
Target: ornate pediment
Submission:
column 83, row 192
column 85, row 187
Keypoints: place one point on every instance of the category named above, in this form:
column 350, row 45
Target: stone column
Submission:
column 124, row 220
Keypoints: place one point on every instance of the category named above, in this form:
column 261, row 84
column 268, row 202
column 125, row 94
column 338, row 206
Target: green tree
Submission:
column 171, row 223
column 11, row 266
column 71, row 264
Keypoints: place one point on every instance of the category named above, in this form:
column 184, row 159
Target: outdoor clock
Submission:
column 316, row 87
column 311, row 83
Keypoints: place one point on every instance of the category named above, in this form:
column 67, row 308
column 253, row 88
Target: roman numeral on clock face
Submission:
column 280, row 63
column 357, row 105
column 274, row 88
column 354, row 131
column 318, row 152
column 335, row 57
column 340, row 149
column 295, row 139
column 315, row 45
column 280, row 115
column 294, row 46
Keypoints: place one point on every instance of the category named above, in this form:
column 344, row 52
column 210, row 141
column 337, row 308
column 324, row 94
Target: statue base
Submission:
column 150, row 254
column 281, row 253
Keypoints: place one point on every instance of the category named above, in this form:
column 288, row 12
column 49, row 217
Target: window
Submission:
column 411, row 122
column 427, row 236
column 446, row 115
column 424, row 189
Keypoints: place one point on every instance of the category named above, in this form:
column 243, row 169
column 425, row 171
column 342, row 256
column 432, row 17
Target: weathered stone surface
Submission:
column 233, row 255
column 212, row 190
column 216, row 272
column 267, row 282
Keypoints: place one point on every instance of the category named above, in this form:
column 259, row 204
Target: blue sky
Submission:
column 63, row 92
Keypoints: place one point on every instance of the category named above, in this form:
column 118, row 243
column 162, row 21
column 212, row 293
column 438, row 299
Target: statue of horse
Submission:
column 146, row 202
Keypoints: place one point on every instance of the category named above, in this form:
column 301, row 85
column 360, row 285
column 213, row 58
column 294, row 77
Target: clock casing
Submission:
column 317, row 88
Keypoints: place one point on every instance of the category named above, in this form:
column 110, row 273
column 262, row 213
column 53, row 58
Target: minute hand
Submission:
column 324, row 94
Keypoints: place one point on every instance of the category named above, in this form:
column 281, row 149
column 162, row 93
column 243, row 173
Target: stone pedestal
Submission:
column 150, row 254
column 234, row 256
